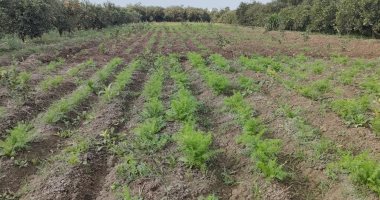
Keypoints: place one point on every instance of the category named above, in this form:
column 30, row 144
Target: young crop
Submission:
column 260, row 63
column 59, row 109
column 146, row 134
column 75, row 70
column 239, row 107
column 183, row 106
column 316, row 89
column 217, row 82
column 72, row 153
column 376, row 125
column 153, row 108
column 54, row 64
column 153, row 87
column 363, row 170
column 17, row 139
column 130, row 169
column 220, row 61
column 121, row 81
column 195, row 146
column 247, row 85
column 353, row 111
column 16, row 82
column 51, row 83
column 371, row 85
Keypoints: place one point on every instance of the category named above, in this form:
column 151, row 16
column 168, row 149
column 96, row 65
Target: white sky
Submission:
column 195, row 3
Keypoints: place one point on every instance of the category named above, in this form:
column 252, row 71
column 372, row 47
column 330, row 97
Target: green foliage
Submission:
column 219, row 61
column 363, row 170
column 316, row 89
column 75, row 70
column 376, row 125
column 183, row 106
column 72, row 153
column 247, row 85
column 54, row 64
column 353, row 111
column 371, row 85
column 58, row 110
column 17, row 139
column 15, row 81
column 195, row 146
column 260, row 63
column 146, row 134
column 122, row 79
column 51, row 83
column 239, row 107
column 153, row 108
column 130, row 168
column 153, row 87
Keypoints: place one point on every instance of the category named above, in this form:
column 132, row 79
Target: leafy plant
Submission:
column 72, row 153
column 353, row 111
column 54, row 64
column 51, row 83
column 238, row 106
column 130, row 168
column 17, row 139
column 363, row 170
column 195, row 146
column 376, row 125
column 247, row 85
column 146, row 134
column 75, row 70
column 220, row 61
column 153, row 108
column 183, row 106
column 316, row 89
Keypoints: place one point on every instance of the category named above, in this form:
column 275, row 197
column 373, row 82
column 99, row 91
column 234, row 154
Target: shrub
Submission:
column 17, row 139
column 195, row 146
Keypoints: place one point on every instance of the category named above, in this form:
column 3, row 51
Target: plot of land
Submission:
column 191, row 111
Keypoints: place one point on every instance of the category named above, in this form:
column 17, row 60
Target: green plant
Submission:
column 363, row 170
column 17, row 139
column 318, row 68
column 353, row 111
column 51, row 83
column 371, row 85
column 316, row 89
column 183, row 106
column 220, row 61
column 75, row 70
column 130, row 168
column 122, row 79
column 153, row 108
column 376, row 125
column 72, row 153
column 195, row 146
column 247, row 85
column 146, row 134
column 238, row 106
column 54, row 64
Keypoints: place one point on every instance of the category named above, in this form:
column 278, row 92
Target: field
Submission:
column 190, row 111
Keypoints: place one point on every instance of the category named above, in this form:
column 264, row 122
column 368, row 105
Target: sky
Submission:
column 194, row 3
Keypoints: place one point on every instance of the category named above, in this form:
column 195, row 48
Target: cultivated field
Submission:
column 190, row 111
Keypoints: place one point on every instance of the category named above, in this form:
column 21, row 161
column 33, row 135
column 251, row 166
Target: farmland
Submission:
column 190, row 111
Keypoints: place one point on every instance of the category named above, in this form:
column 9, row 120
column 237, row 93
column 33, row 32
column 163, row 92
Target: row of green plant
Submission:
column 58, row 110
column 121, row 80
column 263, row 151
column 218, row 83
column 194, row 145
column 220, row 62
column 16, row 82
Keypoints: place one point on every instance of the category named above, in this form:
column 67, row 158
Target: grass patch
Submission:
column 17, row 139
column 51, row 83
column 353, row 111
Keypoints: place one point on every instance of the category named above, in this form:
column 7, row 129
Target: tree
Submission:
column 323, row 16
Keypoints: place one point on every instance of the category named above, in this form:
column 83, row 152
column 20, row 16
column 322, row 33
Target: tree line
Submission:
column 358, row 17
column 33, row 18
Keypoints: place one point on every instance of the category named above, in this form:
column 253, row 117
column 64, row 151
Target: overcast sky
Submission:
column 195, row 3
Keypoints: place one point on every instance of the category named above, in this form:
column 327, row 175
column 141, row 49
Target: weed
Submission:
column 195, row 146
column 51, row 83
column 130, row 169
column 371, row 85
column 228, row 179
column 318, row 68
column 17, row 139
column 353, row 111
column 316, row 89
column 66, row 133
